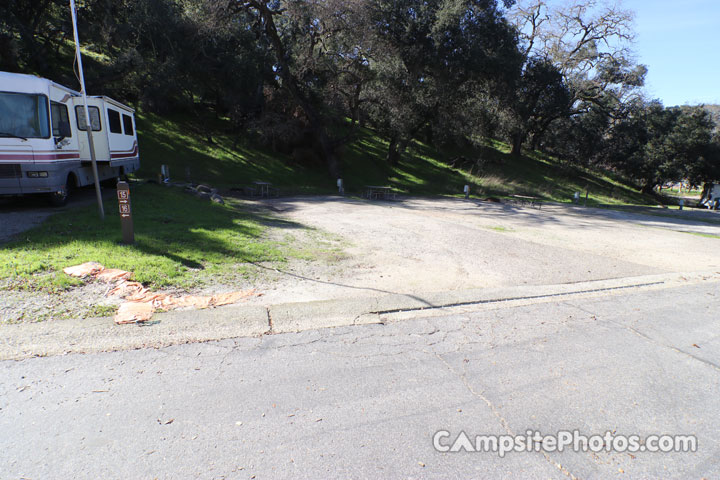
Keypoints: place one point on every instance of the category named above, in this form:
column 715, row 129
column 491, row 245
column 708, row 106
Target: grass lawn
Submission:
column 180, row 241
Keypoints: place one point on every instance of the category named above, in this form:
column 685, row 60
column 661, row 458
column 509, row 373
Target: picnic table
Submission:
column 265, row 188
column 379, row 191
column 527, row 200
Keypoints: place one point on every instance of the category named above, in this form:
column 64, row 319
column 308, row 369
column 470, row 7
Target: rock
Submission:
column 217, row 199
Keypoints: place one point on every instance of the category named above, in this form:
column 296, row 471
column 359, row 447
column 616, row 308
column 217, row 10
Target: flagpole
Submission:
column 88, row 121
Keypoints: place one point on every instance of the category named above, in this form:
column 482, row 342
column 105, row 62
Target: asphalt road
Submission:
column 365, row 401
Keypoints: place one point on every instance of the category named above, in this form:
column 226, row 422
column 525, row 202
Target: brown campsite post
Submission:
column 126, row 221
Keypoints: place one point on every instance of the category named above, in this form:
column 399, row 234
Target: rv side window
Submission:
column 127, row 124
column 94, row 118
column 114, row 121
column 60, row 120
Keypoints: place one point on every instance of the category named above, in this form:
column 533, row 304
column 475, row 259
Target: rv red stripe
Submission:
column 57, row 156
column 130, row 153
column 36, row 152
column 60, row 156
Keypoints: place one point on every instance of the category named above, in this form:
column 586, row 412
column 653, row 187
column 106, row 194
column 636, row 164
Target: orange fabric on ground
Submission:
column 140, row 301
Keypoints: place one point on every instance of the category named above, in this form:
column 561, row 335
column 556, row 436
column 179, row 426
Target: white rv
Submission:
column 43, row 142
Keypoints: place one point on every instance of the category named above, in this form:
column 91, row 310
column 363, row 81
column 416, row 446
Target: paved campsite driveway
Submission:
column 428, row 245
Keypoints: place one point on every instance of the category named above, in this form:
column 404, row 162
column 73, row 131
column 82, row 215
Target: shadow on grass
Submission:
column 176, row 235
column 150, row 250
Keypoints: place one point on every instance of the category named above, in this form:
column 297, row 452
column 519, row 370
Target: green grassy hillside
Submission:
column 224, row 163
column 227, row 162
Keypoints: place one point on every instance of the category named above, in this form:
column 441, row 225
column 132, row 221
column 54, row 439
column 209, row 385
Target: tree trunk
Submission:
column 402, row 146
column 355, row 107
column 393, row 154
column 540, row 133
column 327, row 150
column 648, row 188
column 517, row 141
column 535, row 140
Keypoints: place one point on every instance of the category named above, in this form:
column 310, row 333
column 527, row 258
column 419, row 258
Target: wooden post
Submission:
column 126, row 221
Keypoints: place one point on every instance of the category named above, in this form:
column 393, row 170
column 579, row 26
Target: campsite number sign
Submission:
column 126, row 222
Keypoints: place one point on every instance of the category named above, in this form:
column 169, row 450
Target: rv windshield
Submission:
column 24, row 115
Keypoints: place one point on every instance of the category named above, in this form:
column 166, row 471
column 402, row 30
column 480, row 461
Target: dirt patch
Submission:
column 423, row 245
column 89, row 300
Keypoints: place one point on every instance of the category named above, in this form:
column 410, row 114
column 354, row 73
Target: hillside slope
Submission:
column 226, row 161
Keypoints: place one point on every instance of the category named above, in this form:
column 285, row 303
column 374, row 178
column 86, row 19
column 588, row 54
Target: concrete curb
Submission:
column 102, row 335
column 170, row 328
column 295, row 317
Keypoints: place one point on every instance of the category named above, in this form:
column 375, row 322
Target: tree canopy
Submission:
column 303, row 75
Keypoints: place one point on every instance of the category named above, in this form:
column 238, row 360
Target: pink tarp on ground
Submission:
column 140, row 302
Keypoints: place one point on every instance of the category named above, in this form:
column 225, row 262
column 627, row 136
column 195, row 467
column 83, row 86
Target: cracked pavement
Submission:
column 364, row 401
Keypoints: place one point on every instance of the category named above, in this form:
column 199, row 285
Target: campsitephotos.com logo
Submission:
column 534, row 441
